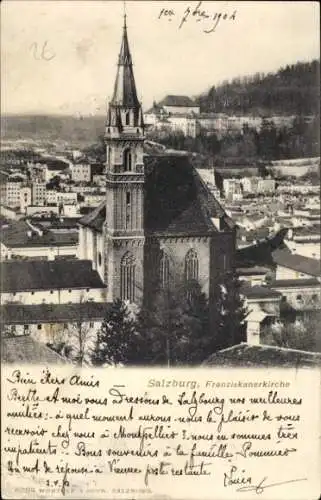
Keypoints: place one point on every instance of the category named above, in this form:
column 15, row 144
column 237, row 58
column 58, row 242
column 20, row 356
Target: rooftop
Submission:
column 296, row 283
column 297, row 262
column 19, row 234
column 52, row 313
column 258, row 292
column 263, row 355
column 24, row 349
column 249, row 271
column 177, row 100
column 48, row 275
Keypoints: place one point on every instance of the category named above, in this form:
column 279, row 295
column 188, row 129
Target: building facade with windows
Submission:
column 159, row 224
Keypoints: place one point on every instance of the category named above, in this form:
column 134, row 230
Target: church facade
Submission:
column 160, row 224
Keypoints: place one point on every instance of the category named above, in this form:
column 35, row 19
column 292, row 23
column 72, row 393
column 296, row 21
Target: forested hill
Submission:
column 293, row 90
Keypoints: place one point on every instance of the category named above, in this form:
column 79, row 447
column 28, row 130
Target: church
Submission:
column 159, row 224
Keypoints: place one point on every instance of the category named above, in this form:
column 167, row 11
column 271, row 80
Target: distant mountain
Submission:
column 83, row 131
column 293, row 90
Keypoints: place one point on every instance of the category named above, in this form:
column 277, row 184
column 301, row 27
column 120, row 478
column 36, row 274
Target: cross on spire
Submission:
column 125, row 15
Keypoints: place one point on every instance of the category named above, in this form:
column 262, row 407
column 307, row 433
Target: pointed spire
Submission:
column 125, row 88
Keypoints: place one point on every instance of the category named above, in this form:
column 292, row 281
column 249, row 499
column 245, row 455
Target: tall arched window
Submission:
column 128, row 210
column 191, row 266
column 108, row 156
column 127, row 120
column 127, row 277
column 164, row 270
column 127, row 160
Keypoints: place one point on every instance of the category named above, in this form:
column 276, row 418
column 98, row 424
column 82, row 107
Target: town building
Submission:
column 10, row 190
column 38, row 192
column 25, row 197
column 304, row 241
column 80, row 172
column 291, row 266
column 232, row 189
column 49, row 322
column 33, row 282
column 179, row 104
column 26, row 240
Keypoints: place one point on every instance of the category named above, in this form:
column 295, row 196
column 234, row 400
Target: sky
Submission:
column 60, row 56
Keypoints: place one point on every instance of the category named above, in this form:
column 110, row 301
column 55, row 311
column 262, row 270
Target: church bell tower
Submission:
column 124, row 224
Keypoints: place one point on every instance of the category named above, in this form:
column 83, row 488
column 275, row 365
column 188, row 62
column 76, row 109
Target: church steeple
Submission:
column 125, row 88
column 125, row 180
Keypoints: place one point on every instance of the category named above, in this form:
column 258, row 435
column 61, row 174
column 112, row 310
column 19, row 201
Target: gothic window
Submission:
column 164, row 270
column 127, row 160
column 128, row 211
column 99, row 259
column 127, row 118
column 108, row 156
column 127, row 277
column 191, row 266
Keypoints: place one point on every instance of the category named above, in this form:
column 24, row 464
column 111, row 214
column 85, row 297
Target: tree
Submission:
column 231, row 312
column 117, row 341
column 174, row 328
column 291, row 336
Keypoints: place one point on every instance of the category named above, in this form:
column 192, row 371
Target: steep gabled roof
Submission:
column 178, row 202
column 48, row 275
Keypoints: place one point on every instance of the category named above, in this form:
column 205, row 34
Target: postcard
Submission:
column 160, row 250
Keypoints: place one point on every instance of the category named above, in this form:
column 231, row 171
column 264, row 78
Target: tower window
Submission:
column 127, row 161
column 108, row 156
column 127, row 118
column 164, row 271
column 127, row 277
column 191, row 266
column 128, row 210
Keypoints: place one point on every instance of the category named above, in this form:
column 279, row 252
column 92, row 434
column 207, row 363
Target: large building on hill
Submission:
column 159, row 224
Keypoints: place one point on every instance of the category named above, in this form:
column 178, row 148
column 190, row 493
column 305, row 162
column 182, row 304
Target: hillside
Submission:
column 293, row 90
column 82, row 131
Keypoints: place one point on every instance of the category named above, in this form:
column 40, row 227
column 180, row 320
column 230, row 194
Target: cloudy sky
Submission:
column 60, row 56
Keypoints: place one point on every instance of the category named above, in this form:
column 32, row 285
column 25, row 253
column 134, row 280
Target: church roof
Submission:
column 177, row 201
column 125, row 88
